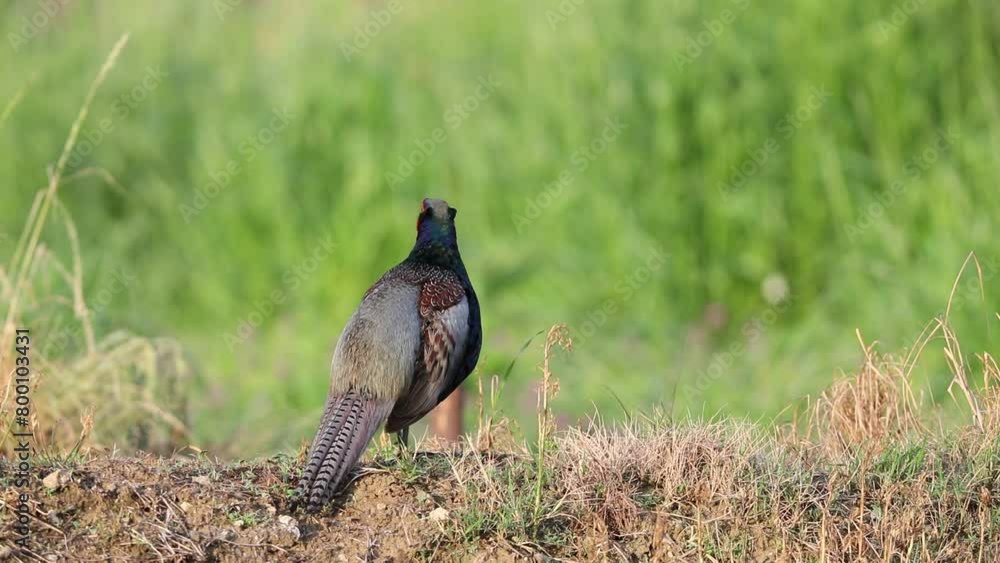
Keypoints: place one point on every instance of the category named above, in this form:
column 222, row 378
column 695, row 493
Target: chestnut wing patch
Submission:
column 445, row 313
column 439, row 294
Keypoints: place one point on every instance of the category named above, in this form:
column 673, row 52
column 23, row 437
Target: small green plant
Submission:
column 243, row 519
column 249, row 481
column 900, row 463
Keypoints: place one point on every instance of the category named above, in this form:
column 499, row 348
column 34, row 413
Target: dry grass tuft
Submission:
column 121, row 389
column 869, row 409
column 730, row 492
column 614, row 471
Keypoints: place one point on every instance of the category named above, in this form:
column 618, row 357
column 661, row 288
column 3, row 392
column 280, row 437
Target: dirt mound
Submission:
column 660, row 492
column 152, row 509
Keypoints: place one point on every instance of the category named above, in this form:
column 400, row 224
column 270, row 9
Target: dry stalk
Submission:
column 559, row 336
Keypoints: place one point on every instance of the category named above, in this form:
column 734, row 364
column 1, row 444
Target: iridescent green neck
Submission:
column 437, row 243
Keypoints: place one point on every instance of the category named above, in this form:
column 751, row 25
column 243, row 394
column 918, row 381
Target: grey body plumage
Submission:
column 414, row 338
column 378, row 348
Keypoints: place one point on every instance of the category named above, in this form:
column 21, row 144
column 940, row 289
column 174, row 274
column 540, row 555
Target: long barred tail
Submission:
column 348, row 423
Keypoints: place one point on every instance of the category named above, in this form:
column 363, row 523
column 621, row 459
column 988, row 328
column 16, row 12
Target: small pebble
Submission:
column 55, row 480
column 438, row 515
column 289, row 524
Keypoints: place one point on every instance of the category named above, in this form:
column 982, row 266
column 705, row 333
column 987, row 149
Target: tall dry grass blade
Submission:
column 22, row 241
column 35, row 228
column 79, row 304
column 914, row 353
column 990, row 394
column 953, row 349
column 956, row 361
column 558, row 336
column 954, row 286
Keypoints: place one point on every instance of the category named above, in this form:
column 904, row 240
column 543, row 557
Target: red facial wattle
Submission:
column 423, row 209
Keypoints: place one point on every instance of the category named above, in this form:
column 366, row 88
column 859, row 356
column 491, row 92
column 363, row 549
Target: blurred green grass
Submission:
column 801, row 220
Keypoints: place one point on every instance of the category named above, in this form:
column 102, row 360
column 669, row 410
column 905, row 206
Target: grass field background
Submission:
column 804, row 169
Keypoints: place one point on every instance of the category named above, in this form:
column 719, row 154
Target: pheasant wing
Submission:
column 444, row 310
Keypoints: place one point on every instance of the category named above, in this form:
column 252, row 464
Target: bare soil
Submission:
column 712, row 493
column 153, row 509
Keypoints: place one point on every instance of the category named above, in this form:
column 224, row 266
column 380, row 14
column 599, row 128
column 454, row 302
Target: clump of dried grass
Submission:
column 731, row 492
column 121, row 389
column 614, row 470
column 868, row 409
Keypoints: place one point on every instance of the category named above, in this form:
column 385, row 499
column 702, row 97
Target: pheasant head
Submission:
column 437, row 241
